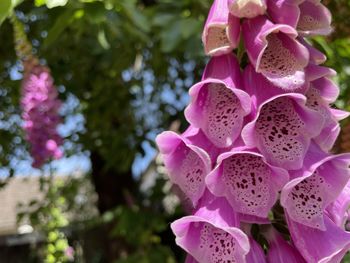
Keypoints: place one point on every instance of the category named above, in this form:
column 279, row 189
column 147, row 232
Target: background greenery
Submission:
column 123, row 68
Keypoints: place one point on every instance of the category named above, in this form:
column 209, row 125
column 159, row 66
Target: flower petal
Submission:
column 209, row 243
column 280, row 251
column 284, row 11
column 217, row 107
column 312, row 190
column 316, row 56
column 247, row 8
column 314, row 72
column 256, row 253
column 338, row 210
column 187, row 164
column 331, row 128
column 249, row 184
column 319, row 246
column 315, row 18
column 274, row 51
column 329, row 91
column 282, row 130
column 221, row 30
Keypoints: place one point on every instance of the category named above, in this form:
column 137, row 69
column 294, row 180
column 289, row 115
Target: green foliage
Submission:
column 5, row 8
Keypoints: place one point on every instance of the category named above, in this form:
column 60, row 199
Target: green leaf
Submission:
column 103, row 40
column 139, row 19
column 61, row 23
column 16, row 3
column 40, row 2
column 5, row 9
column 55, row 3
column 189, row 26
column 171, row 37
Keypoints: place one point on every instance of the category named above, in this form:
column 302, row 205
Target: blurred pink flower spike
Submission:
column 247, row 181
column 40, row 105
column 217, row 105
column 221, row 31
column 274, row 51
column 280, row 251
column 187, row 165
column 212, row 234
column 282, row 130
column 312, row 189
column 247, row 8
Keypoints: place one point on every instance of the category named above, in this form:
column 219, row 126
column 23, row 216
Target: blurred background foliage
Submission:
column 122, row 67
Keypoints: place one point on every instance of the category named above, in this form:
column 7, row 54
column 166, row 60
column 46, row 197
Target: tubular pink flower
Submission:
column 211, row 234
column 186, row 164
column 247, row 8
column 247, row 181
column 316, row 56
column 315, row 18
column 309, row 17
column 217, row 105
column 280, row 251
column 190, row 259
column 274, row 51
column 319, row 246
column 331, row 128
column 221, row 30
column 315, row 187
column 339, row 209
column 256, row 253
column 282, row 130
column 40, row 105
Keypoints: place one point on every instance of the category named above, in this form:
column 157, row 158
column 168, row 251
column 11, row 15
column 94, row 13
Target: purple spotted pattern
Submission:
column 258, row 150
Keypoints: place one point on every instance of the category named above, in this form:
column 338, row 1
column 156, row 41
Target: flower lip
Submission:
column 301, row 113
column 192, row 242
column 187, row 164
column 273, row 30
column 305, row 179
column 260, row 184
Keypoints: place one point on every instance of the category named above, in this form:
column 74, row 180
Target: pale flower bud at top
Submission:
column 247, row 8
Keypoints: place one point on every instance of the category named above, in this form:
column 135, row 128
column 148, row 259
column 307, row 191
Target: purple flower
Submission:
column 247, row 181
column 221, row 30
column 315, row 187
column 282, row 130
column 186, row 164
column 190, row 259
column 309, row 17
column 338, row 210
column 258, row 144
column 218, row 105
column 247, row 8
column 316, row 245
column 331, row 127
column 40, row 105
column 211, row 234
column 280, row 251
column 256, row 253
column 316, row 56
column 274, row 51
